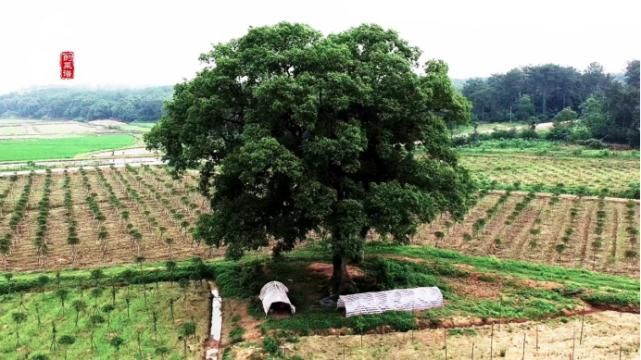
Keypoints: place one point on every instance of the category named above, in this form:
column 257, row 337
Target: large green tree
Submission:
column 621, row 102
column 296, row 132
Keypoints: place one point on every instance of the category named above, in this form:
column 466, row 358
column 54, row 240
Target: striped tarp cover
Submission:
column 390, row 300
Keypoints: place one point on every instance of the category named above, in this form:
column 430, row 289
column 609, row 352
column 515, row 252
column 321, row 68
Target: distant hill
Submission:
column 83, row 104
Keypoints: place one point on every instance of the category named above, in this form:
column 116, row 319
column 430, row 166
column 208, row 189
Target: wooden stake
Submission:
column 573, row 341
column 500, row 310
column 537, row 338
column 414, row 318
column 523, row 356
column 472, row 350
column 492, row 342
column 620, row 352
column 581, row 336
column 445, row 340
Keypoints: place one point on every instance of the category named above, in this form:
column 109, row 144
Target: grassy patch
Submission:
column 430, row 267
column 541, row 147
column 613, row 289
column 61, row 148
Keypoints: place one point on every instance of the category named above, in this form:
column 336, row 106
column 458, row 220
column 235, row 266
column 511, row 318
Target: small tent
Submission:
column 274, row 293
column 390, row 300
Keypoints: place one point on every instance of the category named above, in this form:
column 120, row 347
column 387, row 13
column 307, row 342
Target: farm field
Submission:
column 544, row 148
column 97, row 217
column 118, row 214
column 614, row 176
column 479, row 292
column 28, row 128
column 595, row 234
column 96, row 318
column 60, row 148
column 551, row 339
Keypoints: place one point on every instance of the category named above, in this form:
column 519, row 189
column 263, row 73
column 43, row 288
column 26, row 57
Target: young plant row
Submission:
column 568, row 230
column 43, row 213
column 519, row 207
column 5, row 193
column 489, row 214
column 134, row 233
column 72, row 234
column 632, row 231
column 178, row 217
column 21, row 204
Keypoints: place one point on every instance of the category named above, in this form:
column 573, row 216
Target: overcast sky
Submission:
column 139, row 43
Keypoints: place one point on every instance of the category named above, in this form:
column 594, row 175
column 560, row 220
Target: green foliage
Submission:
column 66, row 340
column 292, row 142
column 566, row 114
column 187, row 329
column 270, row 345
column 39, row 357
column 612, row 299
column 550, row 88
column 236, row 334
column 462, row 332
column 622, row 106
column 524, row 108
column 611, row 114
column 394, row 274
column 117, row 342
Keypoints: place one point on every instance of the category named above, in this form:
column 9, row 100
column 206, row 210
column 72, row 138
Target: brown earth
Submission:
column 606, row 335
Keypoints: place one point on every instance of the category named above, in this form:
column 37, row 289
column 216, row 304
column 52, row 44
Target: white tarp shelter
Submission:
column 274, row 292
column 391, row 300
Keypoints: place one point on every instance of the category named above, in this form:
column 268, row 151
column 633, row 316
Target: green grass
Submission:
column 593, row 282
column 61, row 148
column 135, row 127
column 541, row 147
column 35, row 339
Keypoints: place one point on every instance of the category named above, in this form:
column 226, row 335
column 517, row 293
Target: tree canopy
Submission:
column 86, row 104
column 551, row 88
column 295, row 132
column 543, row 92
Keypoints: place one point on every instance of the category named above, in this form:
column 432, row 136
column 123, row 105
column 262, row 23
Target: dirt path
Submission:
column 606, row 335
column 6, row 169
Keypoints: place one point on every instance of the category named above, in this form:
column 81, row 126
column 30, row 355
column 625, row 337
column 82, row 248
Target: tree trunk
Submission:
column 340, row 276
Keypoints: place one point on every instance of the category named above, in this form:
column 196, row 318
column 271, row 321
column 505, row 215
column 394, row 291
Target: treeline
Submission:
column 609, row 106
column 87, row 104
